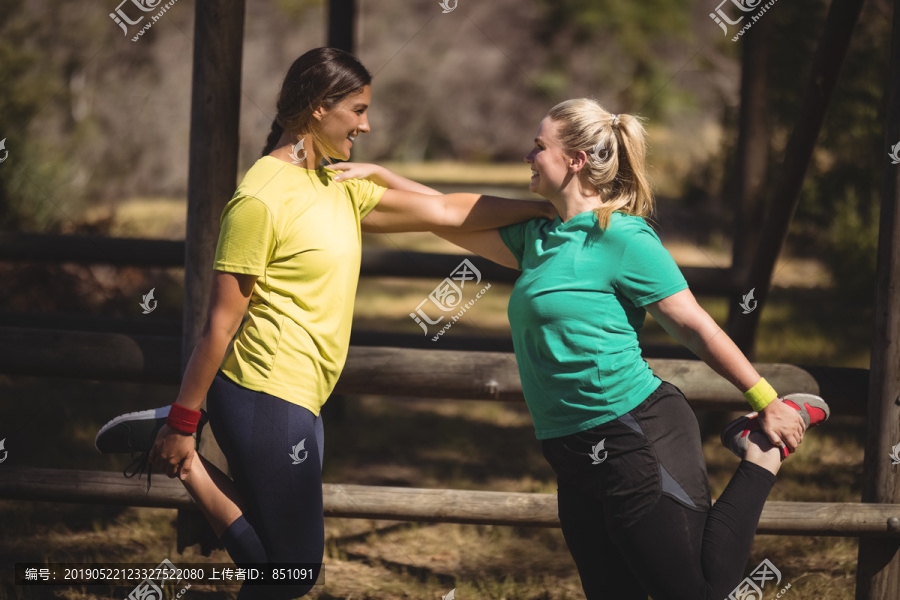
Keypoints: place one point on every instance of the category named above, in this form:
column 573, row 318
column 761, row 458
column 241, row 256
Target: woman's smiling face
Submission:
column 339, row 126
column 549, row 161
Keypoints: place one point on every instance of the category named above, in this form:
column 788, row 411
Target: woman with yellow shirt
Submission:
column 289, row 250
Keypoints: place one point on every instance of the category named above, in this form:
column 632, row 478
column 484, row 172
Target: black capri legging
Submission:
column 636, row 513
column 279, row 482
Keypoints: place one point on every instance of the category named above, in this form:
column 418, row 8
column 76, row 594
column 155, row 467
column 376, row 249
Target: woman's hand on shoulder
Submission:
column 351, row 170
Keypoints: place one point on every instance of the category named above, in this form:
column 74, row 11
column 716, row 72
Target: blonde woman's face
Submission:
column 549, row 162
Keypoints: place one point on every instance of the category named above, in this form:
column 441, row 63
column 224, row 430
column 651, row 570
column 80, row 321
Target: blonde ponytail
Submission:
column 616, row 148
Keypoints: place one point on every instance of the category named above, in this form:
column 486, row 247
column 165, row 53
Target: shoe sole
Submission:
column 800, row 399
column 146, row 416
column 734, row 428
column 813, row 401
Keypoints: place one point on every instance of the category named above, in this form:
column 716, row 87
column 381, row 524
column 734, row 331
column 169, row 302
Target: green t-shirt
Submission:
column 575, row 314
column 300, row 232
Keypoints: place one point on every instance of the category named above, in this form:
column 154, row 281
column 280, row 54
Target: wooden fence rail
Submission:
column 376, row 262
column 398, row 371
column 428, row 505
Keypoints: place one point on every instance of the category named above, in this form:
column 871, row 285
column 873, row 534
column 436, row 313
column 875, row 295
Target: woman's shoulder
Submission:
column 624, row 227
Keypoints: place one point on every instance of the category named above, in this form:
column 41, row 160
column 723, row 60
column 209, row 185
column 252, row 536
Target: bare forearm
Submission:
column 474, row 212
column 716, row 349
column 202, row 367
column 391, row 180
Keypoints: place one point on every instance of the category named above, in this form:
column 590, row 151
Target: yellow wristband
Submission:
column 760, row 395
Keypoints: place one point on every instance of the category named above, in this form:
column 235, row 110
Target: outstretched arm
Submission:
column 687, row 322
column 380, row 175
column 486, row 243
column 410, row 211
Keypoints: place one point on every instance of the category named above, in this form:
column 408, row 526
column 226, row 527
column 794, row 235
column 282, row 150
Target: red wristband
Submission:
column 183, row 419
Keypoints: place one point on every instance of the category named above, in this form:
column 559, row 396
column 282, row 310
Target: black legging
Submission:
column 636, row 515
column 284, row 521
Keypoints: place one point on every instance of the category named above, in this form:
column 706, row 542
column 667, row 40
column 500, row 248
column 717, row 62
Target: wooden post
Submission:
column 212, row 178
column 878, row 568
column 341, row 35
column 342, row 24
column 842, row 18
column 747, row 186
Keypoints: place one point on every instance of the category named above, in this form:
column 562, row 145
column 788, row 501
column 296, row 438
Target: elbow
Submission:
column 218, row 329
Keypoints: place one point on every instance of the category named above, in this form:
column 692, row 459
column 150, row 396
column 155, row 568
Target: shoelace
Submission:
column 141, row 461
column 138, row 465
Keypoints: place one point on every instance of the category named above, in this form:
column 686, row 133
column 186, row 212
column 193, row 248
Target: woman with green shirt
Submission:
column 288, row 256
column 634, row 501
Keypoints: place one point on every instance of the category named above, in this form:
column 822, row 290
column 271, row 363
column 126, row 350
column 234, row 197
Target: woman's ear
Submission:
column 319, row 113
column 577, row 162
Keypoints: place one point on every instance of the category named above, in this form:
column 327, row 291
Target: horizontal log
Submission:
column 358, row 337
column 396, row 371
column 91, row 249
column 376, row 262
column 427, row 505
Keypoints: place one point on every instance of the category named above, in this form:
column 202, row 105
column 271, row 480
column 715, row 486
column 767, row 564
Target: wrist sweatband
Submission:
column 183, row 419
column 760, row 395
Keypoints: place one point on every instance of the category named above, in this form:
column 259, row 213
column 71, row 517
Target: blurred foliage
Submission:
column 22, row 97
column 838, row 212
column 53, row 141
column 633, row 38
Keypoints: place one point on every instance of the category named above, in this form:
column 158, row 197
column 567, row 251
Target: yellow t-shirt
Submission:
column 299, row 231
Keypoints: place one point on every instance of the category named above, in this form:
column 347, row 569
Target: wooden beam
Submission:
column 878, row 571
column 398, row 371
column 427, row 505
column 842, row 18
column 41, row 247
column 212, row 178
column 376, row 262
column 342, row 25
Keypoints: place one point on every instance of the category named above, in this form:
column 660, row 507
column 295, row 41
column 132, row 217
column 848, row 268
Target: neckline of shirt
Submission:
column 298, row 167
column 580, row 216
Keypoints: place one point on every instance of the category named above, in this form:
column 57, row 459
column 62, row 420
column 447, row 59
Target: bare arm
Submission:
column 400, row 210
column 381, row 176
column 228, row 300
column 687, row 322
column 485, row 243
